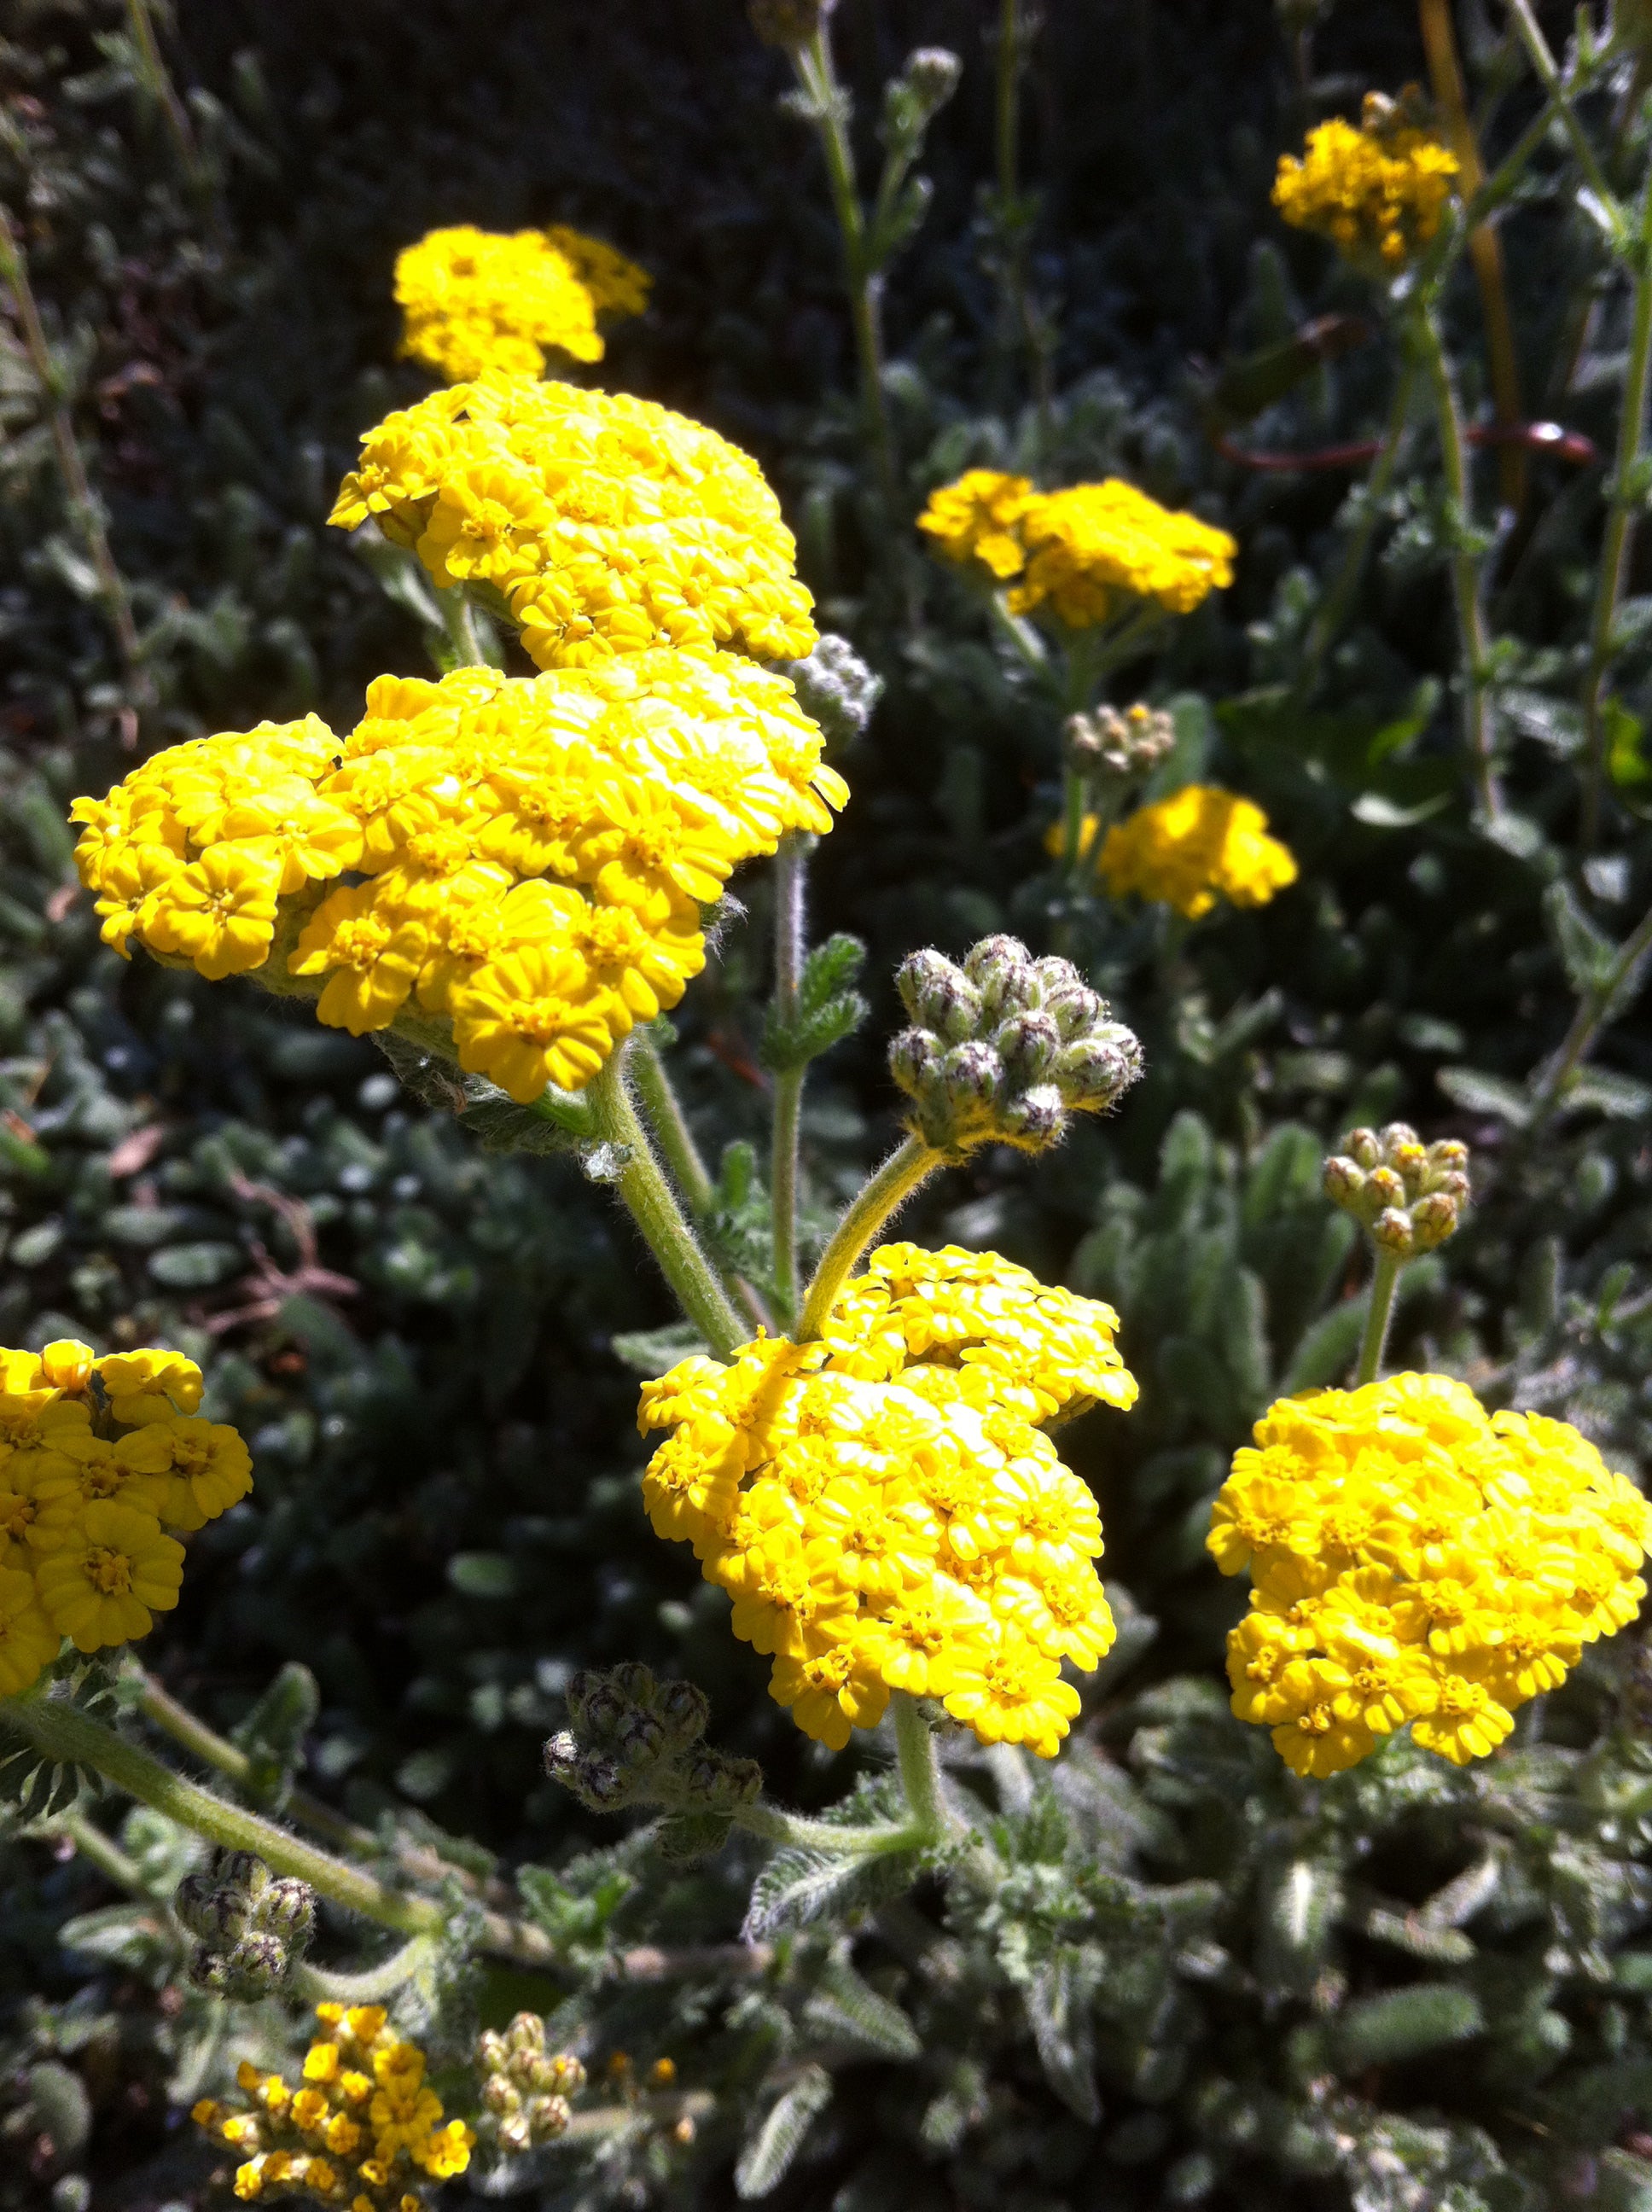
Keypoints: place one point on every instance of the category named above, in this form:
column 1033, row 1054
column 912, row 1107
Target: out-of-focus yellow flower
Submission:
column 1414, row 1561
column 610, row 525
column 1189, row 850
column 884, row 1508
column 1378, row 191
column 1086, row 555
column 379, row 2162
column 534, row 853
column 475, row 301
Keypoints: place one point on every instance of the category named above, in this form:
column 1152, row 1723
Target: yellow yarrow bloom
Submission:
column 608, row 525
column 883, row 1507
column 475, row 301
column 1084, row 554
column 365, row 2099
column 1415, row 1562
column 1378, row 191
column 99, row 1457
column 1200, row 845
column 524, row 859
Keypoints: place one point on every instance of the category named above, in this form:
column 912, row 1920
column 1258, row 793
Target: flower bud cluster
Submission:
column 1003, row 1049
column 835, row 689
column 634, row 1741
column 251, row 1927
column 525, row 2086
column 1110, row 747
column 1409, row 1195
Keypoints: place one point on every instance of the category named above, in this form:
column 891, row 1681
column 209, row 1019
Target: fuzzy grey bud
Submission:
column 836, row 690
column 640, row 1739
column 1027, row 1045
column 1099, row 1068
column 684, row 1710
column 548, row 2118
column 932, row 75
column 1113, row 748
column 938, row 996
column 501, row 2095
column 1000, row 968
column 491, row 2051
column 631, row 1679
column 1363, row 1148
column 1391, row 1232
column 527, row 2033
column 287, row 1908
column 1036, row 1119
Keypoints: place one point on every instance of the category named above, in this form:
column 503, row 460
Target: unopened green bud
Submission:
column 1392, row 1231
column 1003, row 972
column 548, row 2118
column 250, row 1970
column 631, row 1679
column 501, row 2095
column 491, row 2051
column 640, row 1739
column 1035, row 1119
column 1027, row 1045
column 931, row 77
column 1363, row 1147
column 1099, row 1068
column 287, row 1908
column 1387, row 1177
column 684, row 1710
column 1433, row 1218
column 527, row 2033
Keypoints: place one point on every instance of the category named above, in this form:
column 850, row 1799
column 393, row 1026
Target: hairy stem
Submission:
column 85, row 509
column 818, row 78
column 791, row 894
column 893, row 1184
column 1587, row 1025
column 158, row 85
column 800, row 1834
column 1617, row 543
column 652, row 1204
column 1332, row 610
column 326, row 1985
column 59, row 1731
column 1378, row 1314
column 459, row 620
column 1465, row 568
column 1485, row 246
column 920, row 1769
column 1543, row 62
column 669, row 1123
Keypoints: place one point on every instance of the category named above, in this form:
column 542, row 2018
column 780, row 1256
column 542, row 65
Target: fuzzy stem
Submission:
column 1465, row 571
column 1586, row 1025
column 1007, row 119
column 651, row 1203
column 1485, row 246
column 795, row 1831
column 85, row 510
column 459, row 617
column 158, row 84
column 1543, row 62
column 367, row 1985
column 921, row 1768
column 893, row 1182
column 1378, row 1314
column 60, row 1732
column 669, row 1124
column 101, row 1851
column 1332, row 610
column 791, row 894
column 818, row 79
column 1617, row 545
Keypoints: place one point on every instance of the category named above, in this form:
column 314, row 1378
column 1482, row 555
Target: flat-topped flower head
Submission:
column 1415, row 1562
column 475, row 301
column 1190, row 850
column 1084, row 554
column 884, row 1506
column 608, row 525
column 1378, row 193
column 522, row 859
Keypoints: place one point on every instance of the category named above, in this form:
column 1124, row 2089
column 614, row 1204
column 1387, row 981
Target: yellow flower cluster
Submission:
column 1087, row 554
column 1377, row 192
column 474, row 300
column 607, row 525
column 523, row 859
column 883, row 1505
column 1187, row 851
column 1413, row 1560
column 98, row 1458
column 362, row 2126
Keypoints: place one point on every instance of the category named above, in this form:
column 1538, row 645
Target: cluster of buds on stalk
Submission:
column 1109, row 747
column 251, row 1927
column 1004, row 1049
column 634, row 1741
column 1408, row 1195
column 525, row 2086
column 835, row 689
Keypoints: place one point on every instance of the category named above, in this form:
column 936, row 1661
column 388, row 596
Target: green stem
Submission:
column 458, row 615
column 1008, row 121
column 158, row 84
column 61, row 1733
column 1465, row 569
column 1027, row 643
column 669, row 1123
column 321, row 1986
column 1543, row 62
column 1587, row 1025
column 794, row 1831
column 791, row 892
column 1617, row 543
column 651, row 1203
column 1072, row 821
column 1378, row 1314
column 921, row 1768
column 818, row 79
column 893, row 1184
column 103, row 1852
column 85, row 509
column 1326, row 625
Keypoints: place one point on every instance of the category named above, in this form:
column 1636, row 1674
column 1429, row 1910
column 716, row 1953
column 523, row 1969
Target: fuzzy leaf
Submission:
column 798, row 1885
column 763, row 2163
column 1477, row 1092
column 272, row 1735
column 1406, row 2023
column 651, row 1351
column 1058, row 2012
column 845, row 2010
column 1617, row 1096
column 693, row 1835
column 1587, row 953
